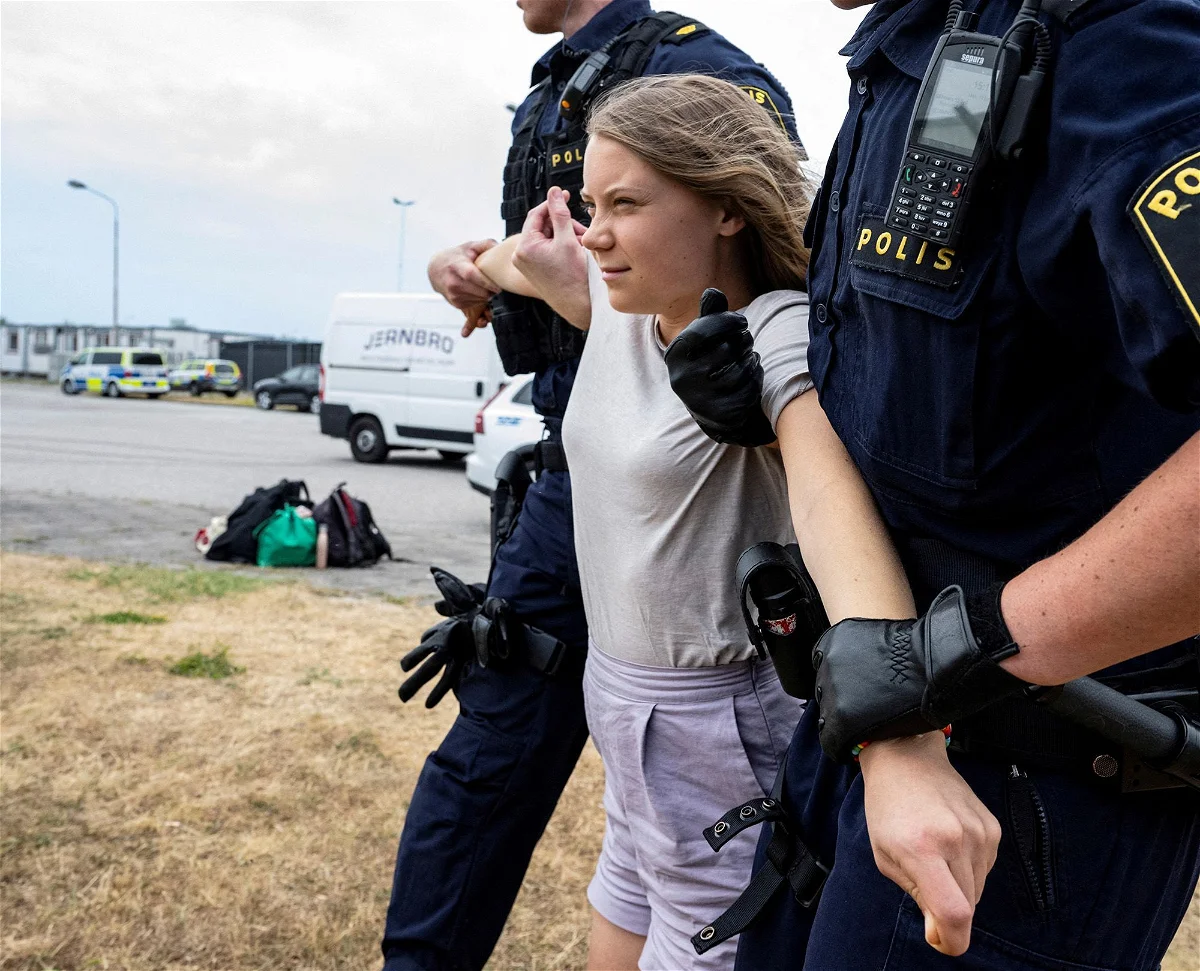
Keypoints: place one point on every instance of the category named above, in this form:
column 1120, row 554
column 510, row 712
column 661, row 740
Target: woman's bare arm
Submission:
column 545, row 260
column 844, row 541
column 496, row 264
column 930, row 834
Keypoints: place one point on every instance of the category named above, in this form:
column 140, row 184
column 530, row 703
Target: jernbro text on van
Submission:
column 417, row 337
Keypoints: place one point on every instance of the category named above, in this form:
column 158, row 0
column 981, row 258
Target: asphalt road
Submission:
column 131, row 479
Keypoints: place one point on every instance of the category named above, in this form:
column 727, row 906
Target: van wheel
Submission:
column 68, row 386
column 194, row 389
column 112, row 390
column 367, row 443
column 450, row 456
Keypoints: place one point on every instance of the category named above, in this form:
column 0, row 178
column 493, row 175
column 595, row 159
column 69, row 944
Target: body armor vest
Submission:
column 529, row 335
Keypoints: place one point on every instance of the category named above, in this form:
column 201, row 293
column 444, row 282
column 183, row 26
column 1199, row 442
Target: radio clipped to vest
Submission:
column 975, row 104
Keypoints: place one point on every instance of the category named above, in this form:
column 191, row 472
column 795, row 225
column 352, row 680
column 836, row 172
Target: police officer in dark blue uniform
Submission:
column 484, row 797
column 1007, row 343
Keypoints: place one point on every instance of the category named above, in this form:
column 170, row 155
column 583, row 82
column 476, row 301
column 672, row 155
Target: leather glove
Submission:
column 717, row 375
column 880, row 679
column 448, row 645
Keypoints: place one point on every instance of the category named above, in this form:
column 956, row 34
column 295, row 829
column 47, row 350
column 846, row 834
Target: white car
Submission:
column 506, row 422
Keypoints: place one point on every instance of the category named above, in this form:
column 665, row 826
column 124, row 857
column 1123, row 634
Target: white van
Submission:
column 397, row 373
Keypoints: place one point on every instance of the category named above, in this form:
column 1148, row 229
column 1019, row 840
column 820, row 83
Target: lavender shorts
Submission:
column 680, row 746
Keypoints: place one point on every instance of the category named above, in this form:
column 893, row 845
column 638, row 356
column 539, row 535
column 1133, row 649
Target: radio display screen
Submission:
column 955, row 110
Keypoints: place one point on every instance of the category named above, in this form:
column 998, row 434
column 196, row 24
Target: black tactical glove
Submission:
column 448, row 645
column 717, row 375
column 880, row 679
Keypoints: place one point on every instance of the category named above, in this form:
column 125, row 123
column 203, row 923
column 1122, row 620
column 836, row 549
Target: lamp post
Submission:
column 403, row 204
column 76, row 184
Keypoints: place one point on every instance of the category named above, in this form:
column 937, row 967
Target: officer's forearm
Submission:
column 496, row 264
column 841, row 535
column 1129, row 585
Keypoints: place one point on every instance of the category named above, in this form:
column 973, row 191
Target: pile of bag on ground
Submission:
column 280, row 526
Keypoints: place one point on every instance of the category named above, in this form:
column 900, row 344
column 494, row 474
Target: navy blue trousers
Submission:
column 1106, row 891
column 484, row 797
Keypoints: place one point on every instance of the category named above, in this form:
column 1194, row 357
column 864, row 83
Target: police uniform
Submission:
column 1000, row 397
column 485, row 796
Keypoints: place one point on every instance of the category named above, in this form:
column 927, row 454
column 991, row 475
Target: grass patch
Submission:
column 52, row 633
column 126, row 617
column 389, row 598
column 313, row 676
column 201, row 665
column 136, row 660
column 164, row 585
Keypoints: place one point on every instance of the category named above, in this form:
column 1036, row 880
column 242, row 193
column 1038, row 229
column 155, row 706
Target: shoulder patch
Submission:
column 1166, row 211
column 763, row 98
column 689, row 31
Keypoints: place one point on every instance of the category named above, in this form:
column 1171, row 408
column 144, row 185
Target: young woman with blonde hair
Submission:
column 689, row 185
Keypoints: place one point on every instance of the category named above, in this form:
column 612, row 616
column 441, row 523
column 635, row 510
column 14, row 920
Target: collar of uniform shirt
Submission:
column 899, row 28
column 594, row 34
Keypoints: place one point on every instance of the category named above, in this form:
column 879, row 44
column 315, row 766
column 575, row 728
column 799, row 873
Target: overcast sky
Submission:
column 254, row 148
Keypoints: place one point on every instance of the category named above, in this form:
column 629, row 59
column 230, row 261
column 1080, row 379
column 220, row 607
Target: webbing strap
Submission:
column 787, row 859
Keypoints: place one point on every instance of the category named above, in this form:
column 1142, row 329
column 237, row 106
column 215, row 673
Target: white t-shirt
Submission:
column 661, row 511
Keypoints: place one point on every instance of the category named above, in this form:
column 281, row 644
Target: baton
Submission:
column 1167, row 740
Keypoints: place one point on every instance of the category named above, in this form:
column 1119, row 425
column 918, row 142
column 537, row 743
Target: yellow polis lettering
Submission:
column 883, row 244
column 900, row 255
column 921, row 252
column 555, row 159
column 1166, row 202
column 864, row 237
column 1188, row 181
column 945, row 258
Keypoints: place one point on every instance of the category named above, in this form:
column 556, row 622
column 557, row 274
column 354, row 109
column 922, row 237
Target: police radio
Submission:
column 975, row 103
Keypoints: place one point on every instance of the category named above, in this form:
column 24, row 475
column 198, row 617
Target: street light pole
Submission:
column 76, row 184
column 403, row 204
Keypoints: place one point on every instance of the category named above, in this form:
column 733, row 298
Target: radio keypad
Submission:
column 928, row 195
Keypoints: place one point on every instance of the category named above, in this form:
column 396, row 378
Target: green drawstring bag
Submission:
column 287, row 539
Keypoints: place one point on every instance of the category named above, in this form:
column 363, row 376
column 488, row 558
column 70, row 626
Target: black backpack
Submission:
column 354, row 539
column 238, row 543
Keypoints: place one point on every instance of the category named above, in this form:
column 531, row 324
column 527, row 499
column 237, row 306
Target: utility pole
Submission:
column 404, row 206
column 76, row 184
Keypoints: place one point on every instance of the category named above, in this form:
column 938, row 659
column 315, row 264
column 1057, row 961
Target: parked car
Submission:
column 505, row 422
column 397, row 374
column 206, row 374
column 116, row 372
column 299, row 386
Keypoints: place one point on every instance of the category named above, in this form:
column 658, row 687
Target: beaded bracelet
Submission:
column 857, row 750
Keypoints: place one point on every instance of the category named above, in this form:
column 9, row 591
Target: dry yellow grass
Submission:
column 156, row 821
column 151, row 821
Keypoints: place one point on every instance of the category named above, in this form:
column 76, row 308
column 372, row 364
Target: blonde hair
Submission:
column 707, row 135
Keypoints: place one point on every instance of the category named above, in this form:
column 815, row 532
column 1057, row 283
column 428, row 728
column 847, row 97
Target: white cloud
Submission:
column 280, row 132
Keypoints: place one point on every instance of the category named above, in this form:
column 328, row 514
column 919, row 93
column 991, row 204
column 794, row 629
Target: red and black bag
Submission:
column 354, row 539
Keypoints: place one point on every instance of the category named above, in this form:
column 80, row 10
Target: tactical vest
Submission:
column 529, row 335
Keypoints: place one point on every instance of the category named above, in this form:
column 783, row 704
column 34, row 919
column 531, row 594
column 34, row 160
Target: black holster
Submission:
column 791, row 617
column 513, row 480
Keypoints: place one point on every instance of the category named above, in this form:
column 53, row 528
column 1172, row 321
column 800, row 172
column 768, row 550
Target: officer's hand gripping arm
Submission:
column 717, row 375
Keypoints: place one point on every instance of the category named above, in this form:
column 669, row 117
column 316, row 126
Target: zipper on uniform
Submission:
column 1031, row 828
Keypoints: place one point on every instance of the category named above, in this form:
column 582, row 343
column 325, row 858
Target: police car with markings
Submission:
column 505, row 423
column 116, row 372
column 397, row 373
